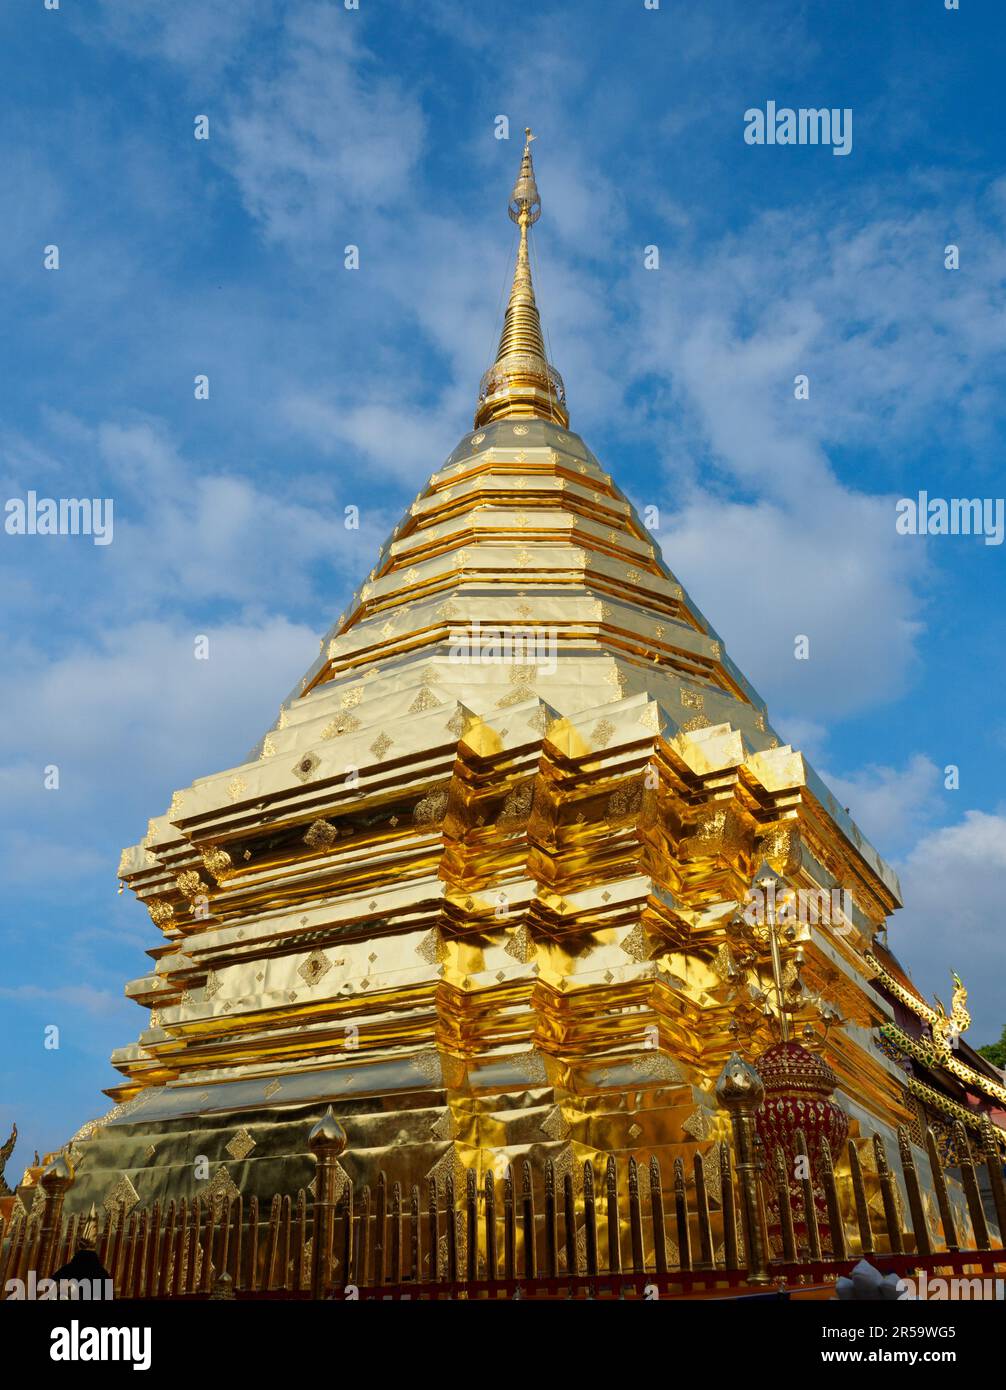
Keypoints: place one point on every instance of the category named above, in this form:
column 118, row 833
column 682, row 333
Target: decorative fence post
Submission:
column 327, row 1140
column 739, row 1091
column 57, row 1177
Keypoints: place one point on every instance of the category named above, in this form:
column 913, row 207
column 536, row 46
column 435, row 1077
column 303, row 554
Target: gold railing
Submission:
column 736, row 1221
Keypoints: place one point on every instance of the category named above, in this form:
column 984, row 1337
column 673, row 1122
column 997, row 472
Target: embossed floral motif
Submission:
column 306, row 767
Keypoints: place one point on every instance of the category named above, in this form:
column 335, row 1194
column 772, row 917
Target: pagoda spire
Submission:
column 521, row 382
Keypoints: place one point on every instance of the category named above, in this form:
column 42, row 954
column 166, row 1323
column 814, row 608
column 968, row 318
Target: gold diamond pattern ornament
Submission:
column 342, row 724
column 189, row 884
column 321, row 835
column 218, row 863
column 555, row 1124
column 380, row 746
column 306, row 767
column 433, row 947
column 221, row 1188
column 698, row 1124
column 520, row 945
column 121, row 1198
column 241, row 1145
column 636, row 943
column 315, row 968
column 431, row 809
column 424, row 700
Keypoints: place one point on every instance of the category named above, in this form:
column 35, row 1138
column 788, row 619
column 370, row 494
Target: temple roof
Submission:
column 521, row 574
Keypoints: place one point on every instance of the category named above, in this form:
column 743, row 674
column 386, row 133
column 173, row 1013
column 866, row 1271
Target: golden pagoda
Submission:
column 484, row 889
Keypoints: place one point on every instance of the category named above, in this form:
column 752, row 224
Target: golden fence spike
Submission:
column 706, row 1258
column 451, row 1218
column 635, row 1218
column 972, row 1194
column 859, row 1197
column 889, row 1197
column 380, row 1227
column 162, row 1289
column 472, row 1225
column 146, row 1223
column 152, row 1265
column 182, row 1249
column 128, row 1286
column 433, row 1217
column 253, row 1220
column 785, row 1205
column 657, row 1217
column 361, row 1269
column 590, row 1217
column 613, row 1222
column 836, row 1224
column 210, row 1222
column 272, row 1243
column 551, row 1223
column 994, row 1168
column 509, row 1227
column 681, row 1216
column 492, row 1261
column 569, row 1222
column 809, row 1204
column 113, row 1245
column 528, row 1223
column 239, row 1211
column 299, row 1244
column 287, row 1244
column 728, row 1207
column 396, row 1233
column 348, row 1199
column 920, row 1226
column 942, row 1194
column 415, row 1235
column 103, row 1239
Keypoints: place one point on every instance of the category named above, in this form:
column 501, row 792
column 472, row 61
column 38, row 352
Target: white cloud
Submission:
column 765, row 574
column 320, row 134
column 953, row 916
column 891, row 804
column 197, row 38
column 133, row 715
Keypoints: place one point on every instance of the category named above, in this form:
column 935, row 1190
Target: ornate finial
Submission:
column 328, row 1133
column 525, row 205
column 739, row 1085
column 58, row 1175
column 521, row 383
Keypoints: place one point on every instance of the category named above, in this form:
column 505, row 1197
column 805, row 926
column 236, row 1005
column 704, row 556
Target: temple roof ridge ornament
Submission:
column 522, row 383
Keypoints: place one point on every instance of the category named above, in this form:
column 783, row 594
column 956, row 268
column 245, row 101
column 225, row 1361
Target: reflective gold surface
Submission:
column 483, row 907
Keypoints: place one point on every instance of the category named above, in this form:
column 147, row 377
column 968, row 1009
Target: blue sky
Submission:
column 330, row 388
